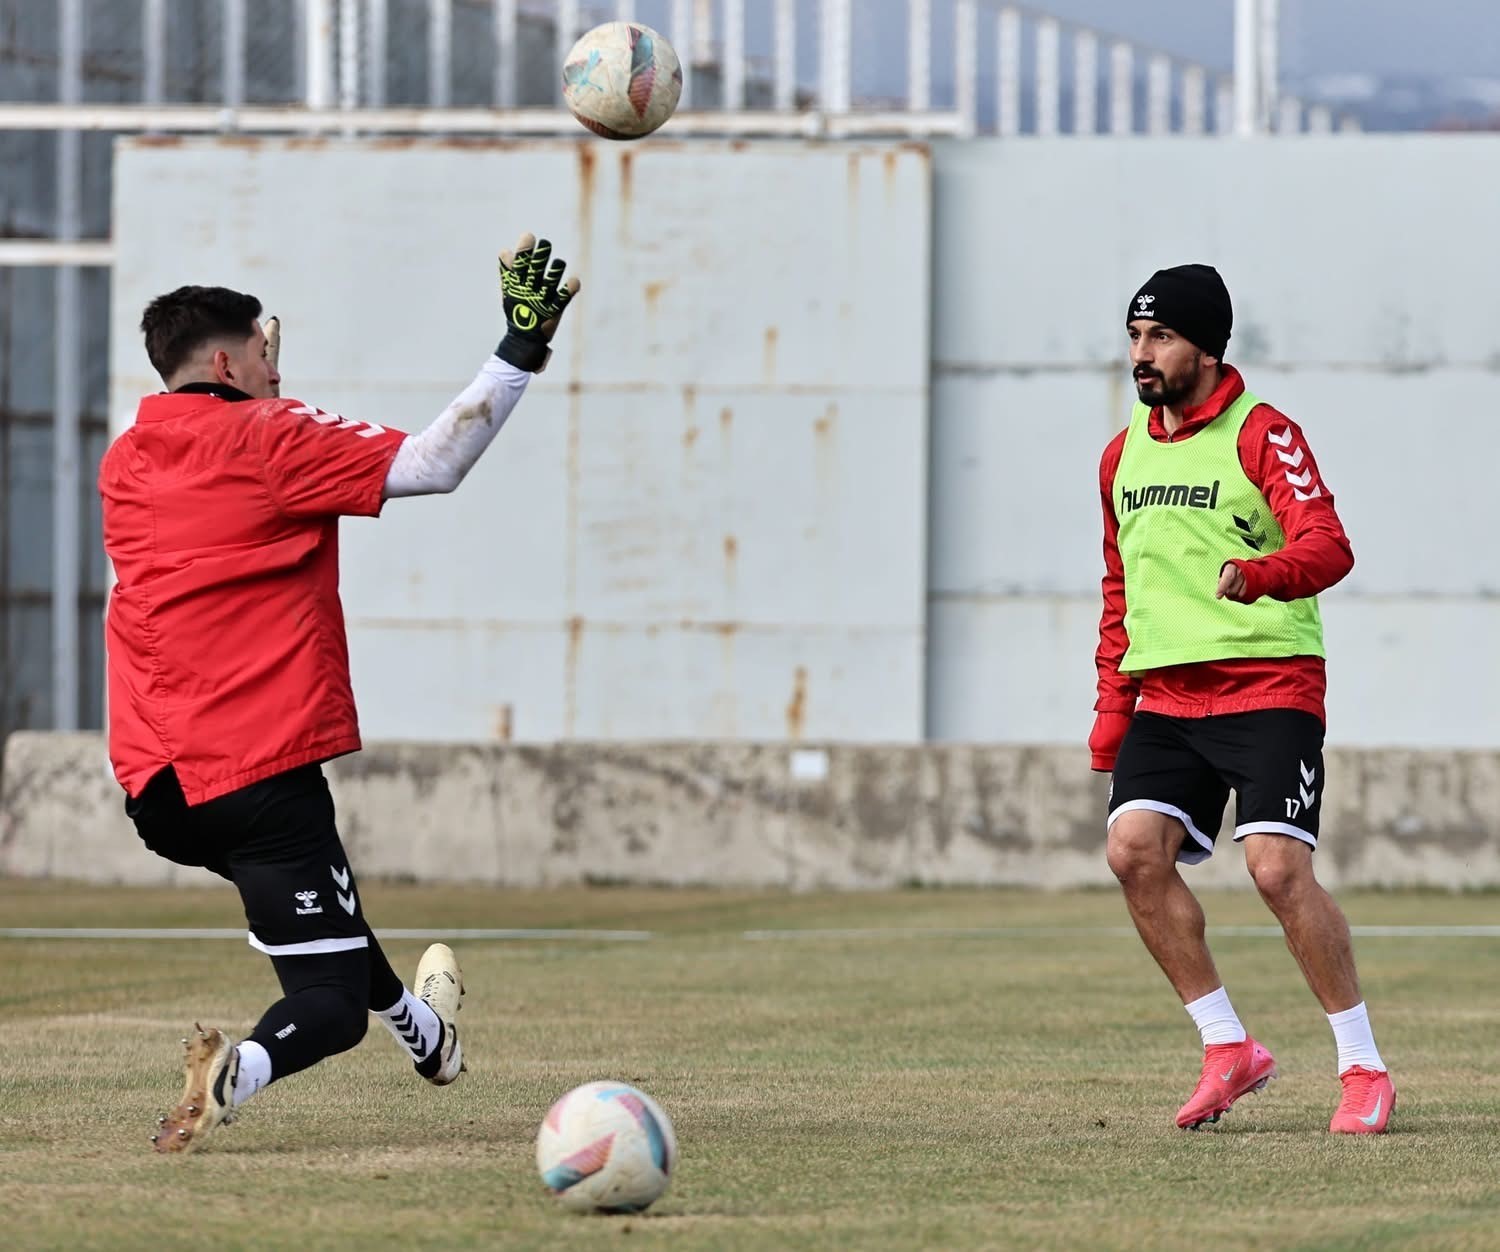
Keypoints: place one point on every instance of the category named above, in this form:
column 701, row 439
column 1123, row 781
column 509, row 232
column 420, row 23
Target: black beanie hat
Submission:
column 1190, row 299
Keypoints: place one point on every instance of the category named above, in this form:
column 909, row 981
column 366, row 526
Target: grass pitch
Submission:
column 879, row 1089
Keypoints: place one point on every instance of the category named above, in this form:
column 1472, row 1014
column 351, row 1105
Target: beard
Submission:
column 1157, row 390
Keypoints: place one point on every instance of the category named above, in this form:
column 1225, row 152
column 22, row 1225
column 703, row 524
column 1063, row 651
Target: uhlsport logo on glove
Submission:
column 535, row 292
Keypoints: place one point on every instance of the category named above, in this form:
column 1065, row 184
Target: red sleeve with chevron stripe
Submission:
column 1117, row 692
column 1278, row 460
column 319, row 464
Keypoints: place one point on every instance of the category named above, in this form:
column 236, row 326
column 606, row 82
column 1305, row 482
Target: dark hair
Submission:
column 179, row 323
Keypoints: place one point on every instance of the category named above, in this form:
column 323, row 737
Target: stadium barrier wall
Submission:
column 756, row 815
column 759, row 504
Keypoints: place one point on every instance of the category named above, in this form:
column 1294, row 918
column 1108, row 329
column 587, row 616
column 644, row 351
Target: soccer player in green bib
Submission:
column 1219, row 533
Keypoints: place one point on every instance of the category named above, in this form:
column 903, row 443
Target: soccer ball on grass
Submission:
column 606, row 1147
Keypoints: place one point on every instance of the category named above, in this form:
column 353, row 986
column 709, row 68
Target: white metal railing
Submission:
column 344, row 58
column 345, row 51
column 342, row 55
column 295, row 119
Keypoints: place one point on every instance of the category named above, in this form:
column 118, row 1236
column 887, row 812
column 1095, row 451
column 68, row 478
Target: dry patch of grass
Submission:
column 829, row 1093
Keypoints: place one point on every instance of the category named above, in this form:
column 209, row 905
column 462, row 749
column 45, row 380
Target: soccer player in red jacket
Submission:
column 1219, row 533
column 229, row 668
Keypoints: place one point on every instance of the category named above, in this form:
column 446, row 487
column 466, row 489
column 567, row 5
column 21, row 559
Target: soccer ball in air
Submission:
column 622, row 80
column 606, row 1147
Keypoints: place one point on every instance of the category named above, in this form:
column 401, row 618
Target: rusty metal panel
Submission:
column 707, row 519
column 1385, row 352
column 1015, row 564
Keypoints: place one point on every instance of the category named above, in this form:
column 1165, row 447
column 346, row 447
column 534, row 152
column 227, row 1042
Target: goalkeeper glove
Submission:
column 535, row 297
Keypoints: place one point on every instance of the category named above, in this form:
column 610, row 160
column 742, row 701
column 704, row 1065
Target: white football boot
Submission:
column 440, row 985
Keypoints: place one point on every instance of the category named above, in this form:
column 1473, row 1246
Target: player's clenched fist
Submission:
column 1231, row 583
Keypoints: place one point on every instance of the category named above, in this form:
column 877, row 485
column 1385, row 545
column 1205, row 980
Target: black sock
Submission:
column 322, row 1013
column 385, row 986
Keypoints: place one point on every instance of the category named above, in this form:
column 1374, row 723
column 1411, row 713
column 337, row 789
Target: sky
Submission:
column 1422, row 37
column 1324, row 43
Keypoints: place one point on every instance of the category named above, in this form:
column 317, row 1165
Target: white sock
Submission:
column 1215, row 1018
column 254, row 1072
column 413, row 1023
column 1351, row 1031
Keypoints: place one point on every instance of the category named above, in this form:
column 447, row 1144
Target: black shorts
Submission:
column 276, row 841
column 1185, row 767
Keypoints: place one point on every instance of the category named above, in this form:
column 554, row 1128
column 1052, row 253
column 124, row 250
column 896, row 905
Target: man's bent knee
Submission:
column 1280, row 866
column 1143, row 844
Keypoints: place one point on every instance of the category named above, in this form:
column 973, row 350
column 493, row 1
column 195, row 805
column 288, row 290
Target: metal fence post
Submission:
column 67, row 364
column 1247, row 80
column 349, row 54
column 784, row 54
column 681, row 36
column 733, row 61
column 377, row 31
column 1085, row 82
column 1270, row 60
column 1194, row 100
column 1224, row 106
column 153, row 51
column 1048, row 76
column 1121, row 89
column 1159, row 96
column 919, row 55
column 703, row 32
column 440, row 53
column 507, row 59
column 834, row 49
column 966, row 65
column 318, row 46
column 1008, row 72
column 233, row 69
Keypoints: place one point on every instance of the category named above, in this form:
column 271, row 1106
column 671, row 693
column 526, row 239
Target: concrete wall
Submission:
column 725, row 514
column 763, row 815
column 707, row 518
column 1365, row 307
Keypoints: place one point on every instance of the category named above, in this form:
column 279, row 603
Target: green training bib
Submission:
column 1184, row 509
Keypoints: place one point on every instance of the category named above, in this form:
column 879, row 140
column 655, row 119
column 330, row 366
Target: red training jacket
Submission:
column 1277, row 459
column 224, row 634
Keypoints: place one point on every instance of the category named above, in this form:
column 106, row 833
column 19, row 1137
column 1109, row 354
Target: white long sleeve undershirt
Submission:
column 435, row 460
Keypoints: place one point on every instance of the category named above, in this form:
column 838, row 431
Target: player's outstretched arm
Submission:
column 535, row 291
